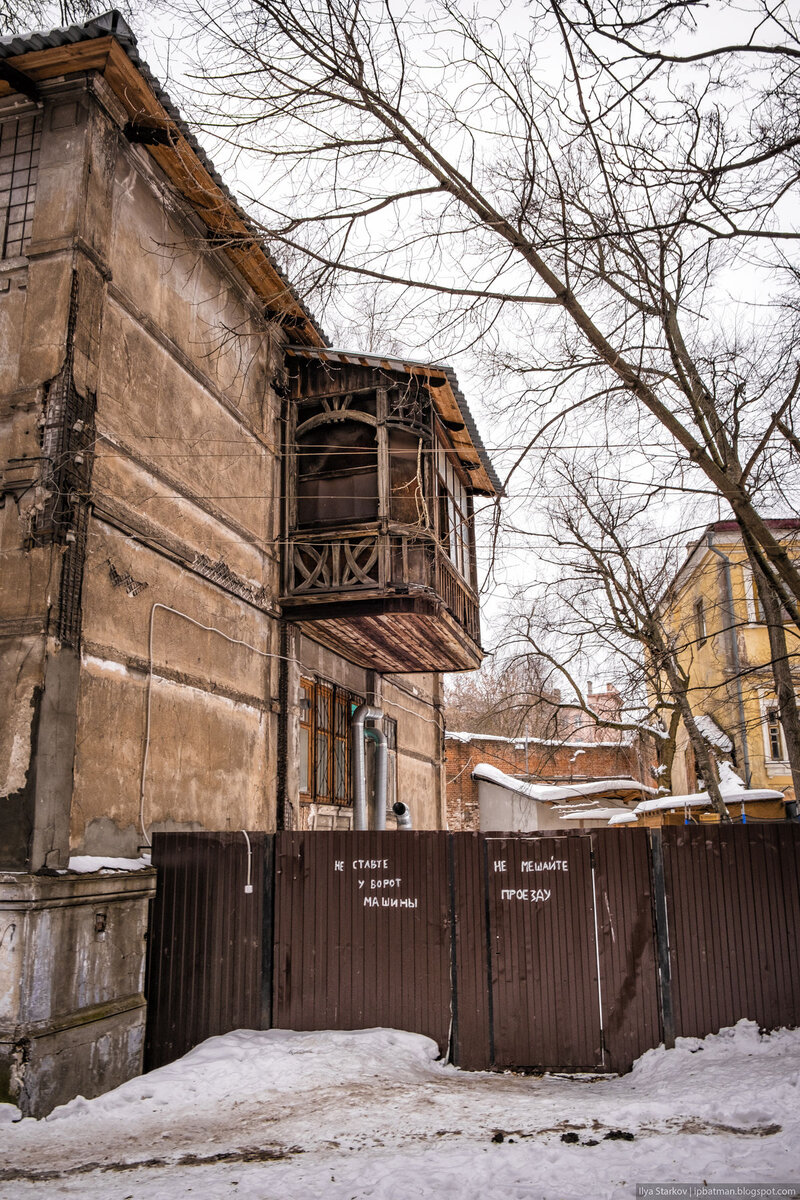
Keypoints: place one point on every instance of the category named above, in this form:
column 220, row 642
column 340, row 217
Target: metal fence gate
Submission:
column 576, row 951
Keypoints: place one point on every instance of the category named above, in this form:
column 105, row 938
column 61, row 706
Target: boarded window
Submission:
column 20, row 141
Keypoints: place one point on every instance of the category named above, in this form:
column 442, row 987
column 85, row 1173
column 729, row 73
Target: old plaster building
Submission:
column 219, row 536
column 713, row 612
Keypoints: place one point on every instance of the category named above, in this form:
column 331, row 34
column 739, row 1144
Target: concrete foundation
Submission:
column 72, row 960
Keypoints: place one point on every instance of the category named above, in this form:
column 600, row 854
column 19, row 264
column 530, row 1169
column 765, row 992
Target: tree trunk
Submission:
column 781, row 670
column 701, row 752
column 666, row 751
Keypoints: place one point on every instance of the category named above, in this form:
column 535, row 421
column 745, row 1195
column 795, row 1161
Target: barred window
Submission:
column 306, row 726
column 326, row 772
column 20, row 141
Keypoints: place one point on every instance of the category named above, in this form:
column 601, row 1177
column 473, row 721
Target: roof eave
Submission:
column 181, row 159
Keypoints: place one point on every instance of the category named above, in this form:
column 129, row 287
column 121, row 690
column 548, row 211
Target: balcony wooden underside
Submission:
column 406, row 634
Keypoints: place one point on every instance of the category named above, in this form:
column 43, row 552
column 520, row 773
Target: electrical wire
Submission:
column 148, row 706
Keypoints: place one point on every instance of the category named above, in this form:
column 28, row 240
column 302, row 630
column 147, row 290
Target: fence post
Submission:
column 488, row 917
column 268, row 932
column 662, row 938
column 452, row 1049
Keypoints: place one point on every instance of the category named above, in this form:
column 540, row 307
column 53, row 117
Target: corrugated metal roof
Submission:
column 113, row 24
column 391, row 362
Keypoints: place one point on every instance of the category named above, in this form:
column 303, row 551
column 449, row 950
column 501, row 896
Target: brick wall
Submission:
column 547, row 762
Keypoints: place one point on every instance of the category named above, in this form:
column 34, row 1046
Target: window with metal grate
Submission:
column 20, row 141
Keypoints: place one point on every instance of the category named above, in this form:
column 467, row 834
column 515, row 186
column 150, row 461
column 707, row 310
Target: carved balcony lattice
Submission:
column 329, row 566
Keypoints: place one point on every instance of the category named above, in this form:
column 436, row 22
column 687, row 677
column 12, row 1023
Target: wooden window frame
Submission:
column 773, row 735
column 328, row 742
column 454, row 514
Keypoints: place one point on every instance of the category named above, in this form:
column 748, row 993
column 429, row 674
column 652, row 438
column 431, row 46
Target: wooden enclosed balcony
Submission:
column 385, row 601
column 381, row 469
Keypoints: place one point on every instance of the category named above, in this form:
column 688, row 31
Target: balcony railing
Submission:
column 378, row 564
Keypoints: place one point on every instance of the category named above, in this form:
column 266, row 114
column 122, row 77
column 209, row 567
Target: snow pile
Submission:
column 84, row 864
column 373, row 1114
column 273, row 1061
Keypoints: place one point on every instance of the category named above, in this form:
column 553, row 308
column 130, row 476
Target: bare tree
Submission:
column 507, row 697
column 605, row 195
column 612, row 226
column 607, row 599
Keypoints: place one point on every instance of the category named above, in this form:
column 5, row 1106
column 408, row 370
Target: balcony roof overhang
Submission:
column 448, row 400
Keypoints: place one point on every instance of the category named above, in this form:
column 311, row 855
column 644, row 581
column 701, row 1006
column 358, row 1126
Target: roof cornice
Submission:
column 63, row 53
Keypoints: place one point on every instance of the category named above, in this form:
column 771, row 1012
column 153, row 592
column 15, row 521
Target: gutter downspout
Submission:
column 734, row 655
column 363, row 713
column 403, row 814
column 381, row 773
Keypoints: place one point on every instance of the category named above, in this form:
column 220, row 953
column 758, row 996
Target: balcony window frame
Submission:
column 455, row 520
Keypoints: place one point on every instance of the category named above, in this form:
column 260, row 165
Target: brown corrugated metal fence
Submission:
column 574, row 951
column 362, row 932
column 205, row 961
column 734, row 925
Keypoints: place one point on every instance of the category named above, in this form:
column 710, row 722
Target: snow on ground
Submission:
column 372, row 1113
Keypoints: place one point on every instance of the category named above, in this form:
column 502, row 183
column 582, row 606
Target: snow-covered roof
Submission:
column 596, row 814
column 622, row 818
column 665, row 803
column 731, row 788
column 553, row 793
column 623, row 739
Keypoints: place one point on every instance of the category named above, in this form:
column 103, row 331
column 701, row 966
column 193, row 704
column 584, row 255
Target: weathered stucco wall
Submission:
column 72, row 956
column 34, row 314
column 184, row 481
column 415, row 702
column 175, row 505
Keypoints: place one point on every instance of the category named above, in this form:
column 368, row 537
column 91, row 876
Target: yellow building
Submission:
column 712, row 612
